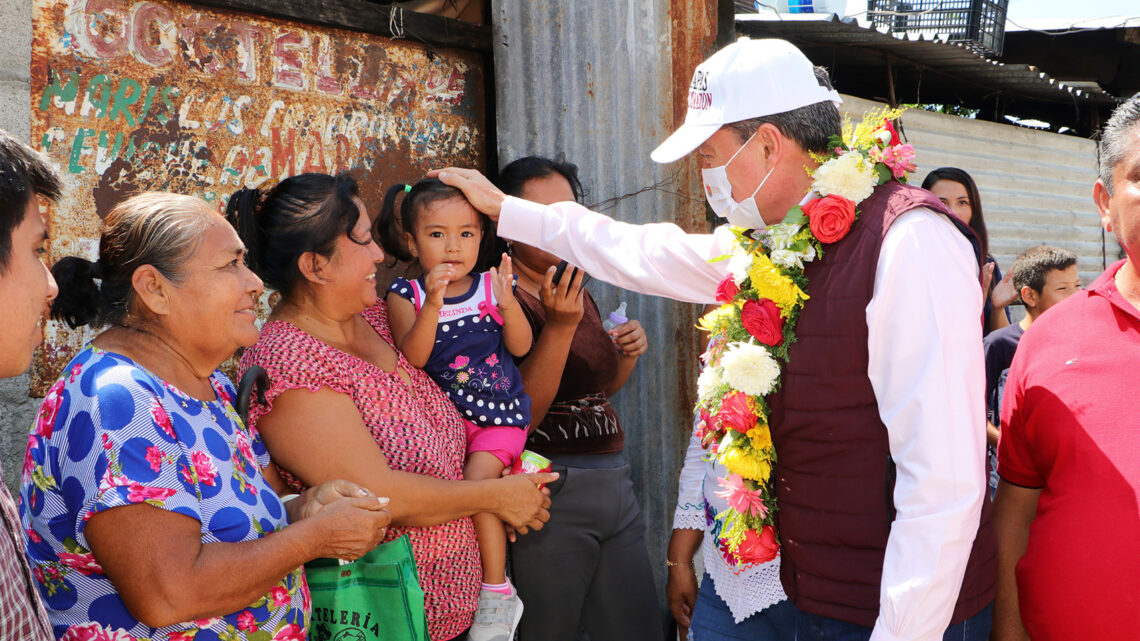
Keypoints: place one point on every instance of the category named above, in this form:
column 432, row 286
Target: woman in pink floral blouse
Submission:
column 343, row 402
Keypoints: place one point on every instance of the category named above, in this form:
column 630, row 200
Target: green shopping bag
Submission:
column 375, row 598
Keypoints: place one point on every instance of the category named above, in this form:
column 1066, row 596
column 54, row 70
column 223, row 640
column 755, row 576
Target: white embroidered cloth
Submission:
column 745, row 589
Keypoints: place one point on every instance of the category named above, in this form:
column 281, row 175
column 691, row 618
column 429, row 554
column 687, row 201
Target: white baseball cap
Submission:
column 747, row 79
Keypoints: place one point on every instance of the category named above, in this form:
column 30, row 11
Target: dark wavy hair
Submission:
column 517, row 173
column 977, row 220
column 303, row 213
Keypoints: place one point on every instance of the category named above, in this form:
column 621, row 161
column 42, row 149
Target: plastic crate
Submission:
column 979, row 24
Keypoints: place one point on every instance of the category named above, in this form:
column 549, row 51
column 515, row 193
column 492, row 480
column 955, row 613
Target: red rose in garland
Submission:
column 762, row 319
column 830, row 217
column 727, row 290
column 736, row 413
column 758, row 547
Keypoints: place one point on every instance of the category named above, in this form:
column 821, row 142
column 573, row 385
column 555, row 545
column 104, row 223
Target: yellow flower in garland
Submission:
column 748, row 464
column 770, row 283
column 761, row 437
column 718, row 319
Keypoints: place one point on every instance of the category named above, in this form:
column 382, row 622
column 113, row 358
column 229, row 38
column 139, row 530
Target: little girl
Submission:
column 462, row 328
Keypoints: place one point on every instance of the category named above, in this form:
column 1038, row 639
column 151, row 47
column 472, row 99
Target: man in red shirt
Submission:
column 1067, row 515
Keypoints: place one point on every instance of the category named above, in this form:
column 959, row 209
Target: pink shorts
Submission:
column 505, row 442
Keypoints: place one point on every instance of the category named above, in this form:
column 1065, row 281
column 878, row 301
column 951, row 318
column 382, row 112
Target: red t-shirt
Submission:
column 1070, row 426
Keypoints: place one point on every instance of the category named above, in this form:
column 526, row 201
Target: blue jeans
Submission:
column 712, row 620
column 812, row 627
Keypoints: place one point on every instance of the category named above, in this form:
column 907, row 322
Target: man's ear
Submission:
column 152, row 290
column 312, row 267
column 1103, row 202
column 1029, row 296
column 772, row 143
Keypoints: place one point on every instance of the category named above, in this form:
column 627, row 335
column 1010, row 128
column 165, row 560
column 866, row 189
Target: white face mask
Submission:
column 718, row 191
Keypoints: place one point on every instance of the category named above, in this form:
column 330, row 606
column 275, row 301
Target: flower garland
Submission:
column 753, row 329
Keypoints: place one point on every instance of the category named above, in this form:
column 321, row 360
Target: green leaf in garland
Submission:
column 796, row 215
column 883, row 172
column 720, row 258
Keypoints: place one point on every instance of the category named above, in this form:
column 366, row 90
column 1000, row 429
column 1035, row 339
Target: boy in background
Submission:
column 1043, row 277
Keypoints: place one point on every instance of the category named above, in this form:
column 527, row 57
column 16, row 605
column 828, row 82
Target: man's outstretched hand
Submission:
column 479, row 191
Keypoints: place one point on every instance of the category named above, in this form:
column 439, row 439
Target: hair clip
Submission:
column 407, row 189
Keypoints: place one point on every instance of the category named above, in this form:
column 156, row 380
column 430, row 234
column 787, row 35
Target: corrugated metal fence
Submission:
column 591, row 80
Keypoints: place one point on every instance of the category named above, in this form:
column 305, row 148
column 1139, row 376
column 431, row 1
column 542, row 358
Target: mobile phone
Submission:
column 561, row 269
column 558, row 271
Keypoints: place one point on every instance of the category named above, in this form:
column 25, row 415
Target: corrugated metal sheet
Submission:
column 1036, row 186
column 133, row 95
column 593, row 81
column 866, row 46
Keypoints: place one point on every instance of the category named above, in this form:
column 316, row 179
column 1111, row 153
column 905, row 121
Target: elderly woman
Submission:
column 147, row 515
column 342, row 401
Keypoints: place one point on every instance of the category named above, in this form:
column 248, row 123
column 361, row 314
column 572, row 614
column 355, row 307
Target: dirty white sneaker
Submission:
column 496, row 617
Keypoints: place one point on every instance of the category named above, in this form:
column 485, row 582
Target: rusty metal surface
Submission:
column 159, row 95
column 601, row 82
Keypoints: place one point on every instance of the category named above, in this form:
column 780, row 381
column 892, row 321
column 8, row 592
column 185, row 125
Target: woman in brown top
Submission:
column 590, row 567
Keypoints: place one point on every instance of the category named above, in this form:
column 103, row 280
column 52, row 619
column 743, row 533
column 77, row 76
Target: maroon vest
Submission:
column 834, row 477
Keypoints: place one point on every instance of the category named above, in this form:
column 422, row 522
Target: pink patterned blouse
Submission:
column 416, row 427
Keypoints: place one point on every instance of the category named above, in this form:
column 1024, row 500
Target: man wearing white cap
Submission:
column 877, row 419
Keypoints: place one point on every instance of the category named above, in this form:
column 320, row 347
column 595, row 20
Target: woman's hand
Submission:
column 681, row 595
column 313, row 499
column 681, row 588
column 502, row 284
column 522, row 505
column 347, row 528
column 630, row 339
column 478, row 191
column 562, row 303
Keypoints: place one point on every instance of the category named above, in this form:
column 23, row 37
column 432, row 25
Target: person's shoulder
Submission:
column 1005, row 337
column 281, row 345
column 1060, row 327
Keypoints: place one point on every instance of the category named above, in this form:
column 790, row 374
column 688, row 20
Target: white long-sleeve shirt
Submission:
column 926, row 369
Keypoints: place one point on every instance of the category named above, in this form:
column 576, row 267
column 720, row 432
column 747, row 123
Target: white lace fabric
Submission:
column 746, row 589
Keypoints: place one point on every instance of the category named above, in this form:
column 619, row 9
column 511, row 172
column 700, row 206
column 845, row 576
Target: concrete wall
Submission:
column 16, row 409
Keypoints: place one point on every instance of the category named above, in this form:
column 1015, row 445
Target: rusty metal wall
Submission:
column 132, row 95
column 598, row 81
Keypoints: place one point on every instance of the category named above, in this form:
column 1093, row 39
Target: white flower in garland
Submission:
column 792, row 259
column 781, row 236
column 738, row 266
column 750, row 369
column 850, row 175
column 708, row 383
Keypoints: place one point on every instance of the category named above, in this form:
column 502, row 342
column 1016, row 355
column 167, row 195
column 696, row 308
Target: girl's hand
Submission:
column 630, row 339
column 436, row 283
column 502, row 284
column 563, row 304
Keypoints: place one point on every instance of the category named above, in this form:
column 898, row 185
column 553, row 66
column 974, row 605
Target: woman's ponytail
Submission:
column 80, row 301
